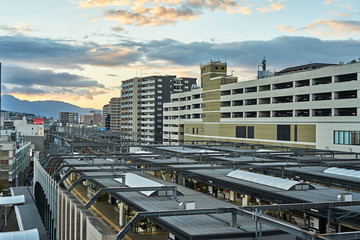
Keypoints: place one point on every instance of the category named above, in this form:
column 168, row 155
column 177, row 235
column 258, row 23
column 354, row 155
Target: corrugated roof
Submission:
column 343, row 172
column 270, row 181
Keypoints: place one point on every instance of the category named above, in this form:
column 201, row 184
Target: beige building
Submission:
column 114, row 110
column 311, row 108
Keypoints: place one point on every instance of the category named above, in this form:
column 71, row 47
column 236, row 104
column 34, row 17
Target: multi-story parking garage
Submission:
column 213, row 191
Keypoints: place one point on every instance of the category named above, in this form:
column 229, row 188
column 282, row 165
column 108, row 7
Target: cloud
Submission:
column 163, row 12
column 101, row 3
column 333, row 12
column 334, row 28
column 44, row 52
column 330, row 1
column 273, row 6
column 281, row 52
column 29, row 77
column 154, row 16
column 117, row 29
column 285, row 28
column 24, row 90
column 27, row 81
column 17, row 29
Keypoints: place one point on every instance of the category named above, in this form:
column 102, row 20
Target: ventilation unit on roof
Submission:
column 344, row 197
column 188, row 205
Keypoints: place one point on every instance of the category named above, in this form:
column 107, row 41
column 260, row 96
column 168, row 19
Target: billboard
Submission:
column 38, row 121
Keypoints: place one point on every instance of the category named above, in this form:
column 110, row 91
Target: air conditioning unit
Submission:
column 188, row 205
column 344, row 197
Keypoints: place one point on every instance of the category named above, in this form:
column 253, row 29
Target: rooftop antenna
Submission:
column 263, row 63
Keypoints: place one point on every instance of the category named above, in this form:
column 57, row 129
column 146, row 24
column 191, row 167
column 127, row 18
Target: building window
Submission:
column 187, row 130
column 347, row 137
column 159, row 91
column 193, row 130
column 295, row 133
column 250, row 131
column 283, row 132
column 160, row 80
column 241, row 131
column 216, row 68
column 159, row 97
column 222, row 68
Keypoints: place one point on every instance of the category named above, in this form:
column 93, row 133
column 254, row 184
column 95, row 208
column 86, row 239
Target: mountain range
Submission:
column 42, row 108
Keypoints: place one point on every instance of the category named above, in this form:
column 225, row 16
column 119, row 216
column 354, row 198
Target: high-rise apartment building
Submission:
column 105, row 120
column 115, row 111
column 142, row 102
column 68, row 117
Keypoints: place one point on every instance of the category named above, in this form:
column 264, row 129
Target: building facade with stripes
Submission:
column 303, row 107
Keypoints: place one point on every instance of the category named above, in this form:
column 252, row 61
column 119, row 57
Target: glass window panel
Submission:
column 336, row 137
column 341, row 137
column 347, row 137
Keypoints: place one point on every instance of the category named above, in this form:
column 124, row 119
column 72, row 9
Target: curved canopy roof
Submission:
column 343, row 172
column 270, row 181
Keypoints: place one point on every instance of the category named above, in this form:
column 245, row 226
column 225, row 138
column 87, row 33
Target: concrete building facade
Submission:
column 68, row 117
column 115, row 112
column 317, row 108
column 14, row 163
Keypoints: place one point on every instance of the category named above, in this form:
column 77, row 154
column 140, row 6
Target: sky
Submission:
column 79, row 51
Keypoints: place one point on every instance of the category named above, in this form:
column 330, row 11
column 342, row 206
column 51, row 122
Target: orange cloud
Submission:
column 333, row 12
column 272, row 7
column 333, row 28
column 154, row 16
column 285, row 28
column 330, row 1
column 164, row 12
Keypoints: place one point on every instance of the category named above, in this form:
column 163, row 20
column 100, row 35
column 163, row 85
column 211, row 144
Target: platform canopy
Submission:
column 343, row 172
column 13, row 200
column 31, row 234
column 270, row 181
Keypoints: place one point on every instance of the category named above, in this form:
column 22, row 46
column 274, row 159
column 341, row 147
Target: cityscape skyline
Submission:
column 80, row 51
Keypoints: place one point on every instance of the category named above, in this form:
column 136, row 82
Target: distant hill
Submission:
column 43, row 108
